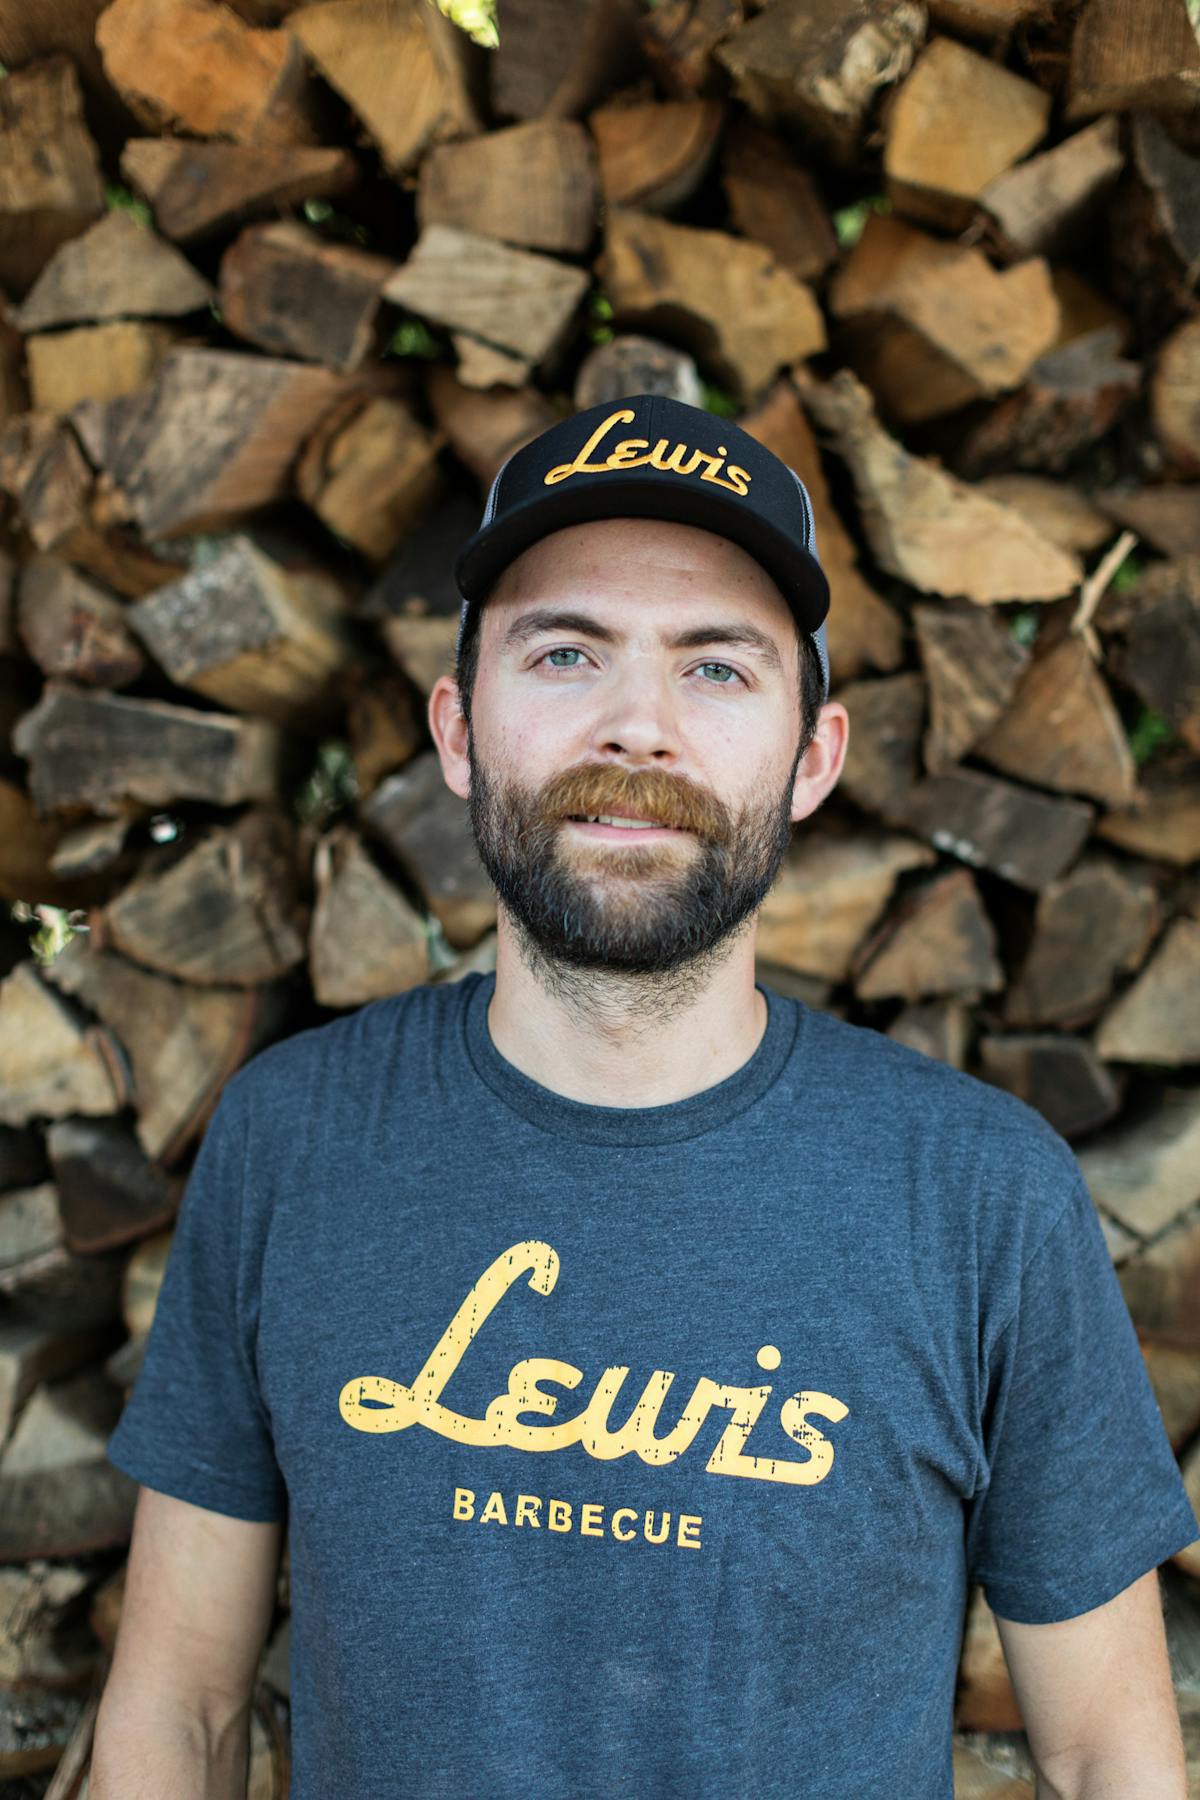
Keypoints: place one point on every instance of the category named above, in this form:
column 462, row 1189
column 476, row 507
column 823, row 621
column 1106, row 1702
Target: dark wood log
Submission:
column 367, row 939
column 1164, row 822
column 1125, row 55
column 74, row 628
column 227, row 912
column 1074, row 394
column 972, row 666
column 59, row 1494
column 252, row 634
column 958, row 121
column 883, row 753
column 198, row 190
column 100, row 750
column 1161, row 657
column 194, row 67
column 51, row 187
column 535, row 185
column 776, row 202
column 934, row 531
column 1146, row 1171
column 383, row 724
column 1062, row 730
column 726, row 299
column 1058, row 1074
column 371, row 471
column 1045, row 204
column 109, row 1192
column 679, row 38
column 1026, row 837
column 44, row 471
column 117, row 269
column 554, row 65
column 818, row 68
column 1091, row 927
column 22, row 1164
column 938, row 940
column 294, row 293
column 653, row 155
column 1157, row 1020
column 938, row 1028
column 427, row 829
column 1172, row 179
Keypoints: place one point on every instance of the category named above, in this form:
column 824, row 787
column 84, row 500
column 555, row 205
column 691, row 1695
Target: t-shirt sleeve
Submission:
column 1083, row 1491
column 195, row 1425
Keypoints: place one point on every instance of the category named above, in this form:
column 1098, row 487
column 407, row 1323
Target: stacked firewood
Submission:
column 281, row 287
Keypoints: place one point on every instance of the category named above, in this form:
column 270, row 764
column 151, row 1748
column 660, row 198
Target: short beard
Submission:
column 650, row 917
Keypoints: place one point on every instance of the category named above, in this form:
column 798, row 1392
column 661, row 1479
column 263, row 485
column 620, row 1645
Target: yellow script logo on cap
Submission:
column 625, row 456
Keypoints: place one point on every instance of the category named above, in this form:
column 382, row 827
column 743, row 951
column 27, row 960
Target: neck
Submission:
column 608, row 1038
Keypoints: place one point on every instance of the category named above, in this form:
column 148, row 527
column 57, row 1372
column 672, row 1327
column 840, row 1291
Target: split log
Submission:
column 938, row 1028
column 1091, row 927
column 829, row 892
column 59, row 1494
column 53, row 1063
column 678, row 40
column 116, row 270
column 182, row 1042
column 726, row 299
column 1026, row 837
column 935, row 532
column 1061, row 513
column 251, row 634
column 1060, row 1075
column 226, row 912
column 212, row 439
column 95, row 362
column 43, row 1280
column 1147, row 1172
column 1044, row 205
column 1074, row 394
column 1167, row 517
column 972, row 666
column 534, row 185
column 483, row 429
column 1062, row 730
column 194, row 67
column 1161, row 657
column 938, row 940
column 630, row 363
column 395, row 68
column 367, row 940
column 933, row 325
column 551, row 64
column 44, row 471
column 422, row 644
column 96, row 844
column 653, row 156
column 101, row 750
column 1126, row 56
column 955, row 124
column 862, row 630
column 985, row 19
column 292, row 293
column 882, row 756
column 198, row 190
column 28, row 847
column 775, row 202
column 820, row 67
column 427, row 829
column 384, row 726
column 1175, row 397
column 514, row 300
column 1165, row 821
column 1160, row 1284
column 109, row 1192
column 1172, row 179
column 75, row 629
column 51, row 186
column 370, row 472
column 1157, row 1020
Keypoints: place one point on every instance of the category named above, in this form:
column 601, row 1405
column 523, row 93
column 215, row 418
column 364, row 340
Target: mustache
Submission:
column 652, row 794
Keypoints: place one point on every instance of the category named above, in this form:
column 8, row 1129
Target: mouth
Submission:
column 609, row 825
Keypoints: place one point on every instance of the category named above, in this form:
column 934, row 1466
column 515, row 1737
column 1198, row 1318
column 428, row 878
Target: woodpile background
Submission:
column 284, row 286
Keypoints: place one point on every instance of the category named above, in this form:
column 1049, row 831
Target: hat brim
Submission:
column 488, row 552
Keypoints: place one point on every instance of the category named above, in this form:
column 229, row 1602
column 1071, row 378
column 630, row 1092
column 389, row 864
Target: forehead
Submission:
column 634, row 570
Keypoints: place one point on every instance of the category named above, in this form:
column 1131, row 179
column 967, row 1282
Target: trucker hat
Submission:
column 651, row 456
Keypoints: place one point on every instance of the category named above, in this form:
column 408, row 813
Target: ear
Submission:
column 822, row 762
column 448, row 728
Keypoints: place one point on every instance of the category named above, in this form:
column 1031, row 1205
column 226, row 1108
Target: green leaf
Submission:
column 331, row 787
column 1148, row 733
column 716, row 400
column 850, row 222
column 1129, row 573
column 412, row 337
column 121, row 199
column 476, row 17
column 1024, row 625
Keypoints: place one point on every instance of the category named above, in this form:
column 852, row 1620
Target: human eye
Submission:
column 720, row 665
column 559, row 650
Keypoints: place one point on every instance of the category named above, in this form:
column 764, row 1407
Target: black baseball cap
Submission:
column 654, row 457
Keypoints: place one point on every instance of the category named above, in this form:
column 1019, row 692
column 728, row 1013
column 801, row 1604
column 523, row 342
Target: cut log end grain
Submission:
column 534, row 185
column 1125, row 56
column 1175, row 397
column 51, row 185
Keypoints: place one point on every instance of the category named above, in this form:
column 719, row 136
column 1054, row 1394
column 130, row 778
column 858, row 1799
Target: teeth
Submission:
column 625, row 824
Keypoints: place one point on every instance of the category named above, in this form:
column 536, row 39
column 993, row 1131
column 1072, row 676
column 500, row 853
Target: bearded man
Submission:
column 642, row 1363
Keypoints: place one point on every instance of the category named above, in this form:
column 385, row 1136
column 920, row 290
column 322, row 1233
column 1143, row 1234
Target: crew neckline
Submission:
column 671, row 1123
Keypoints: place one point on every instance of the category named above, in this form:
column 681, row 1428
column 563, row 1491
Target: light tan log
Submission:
column 972, row 664
column 75, row 629
column 427, row 829
column 1090, row 927
column 199, row 190
column 820, row 66
column 935, row 532
column 1147, row 1172
column 1061, row 729
column 116, row 269
column 957, row 123
column 862, row 630
column 1061, row 513
column 367, row 940
column 655, row 155
column 1167, row 516
column 1157, row 1020
column 52, row 1062
column 829, row 891
column 101, row 750
column 535, row 185
column 194, row 67
column 294, row 293
column 50, row 181
column 726, row 299
column 95, row 362
column 1041, row 205
column 395, row 68
column 939, row 940
column 1164, row 824
column 1175, row 397
column 371, row 471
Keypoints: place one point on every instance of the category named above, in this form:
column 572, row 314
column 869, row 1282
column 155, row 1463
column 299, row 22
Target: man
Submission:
column 643, row 1363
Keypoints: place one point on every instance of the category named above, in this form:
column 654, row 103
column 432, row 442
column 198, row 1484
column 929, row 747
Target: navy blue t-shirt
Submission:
column 645, row 1453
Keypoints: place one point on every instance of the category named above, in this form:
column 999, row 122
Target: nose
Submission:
column 637, row 712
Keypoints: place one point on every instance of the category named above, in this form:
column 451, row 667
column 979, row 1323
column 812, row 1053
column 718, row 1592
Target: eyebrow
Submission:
column 532, row 624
